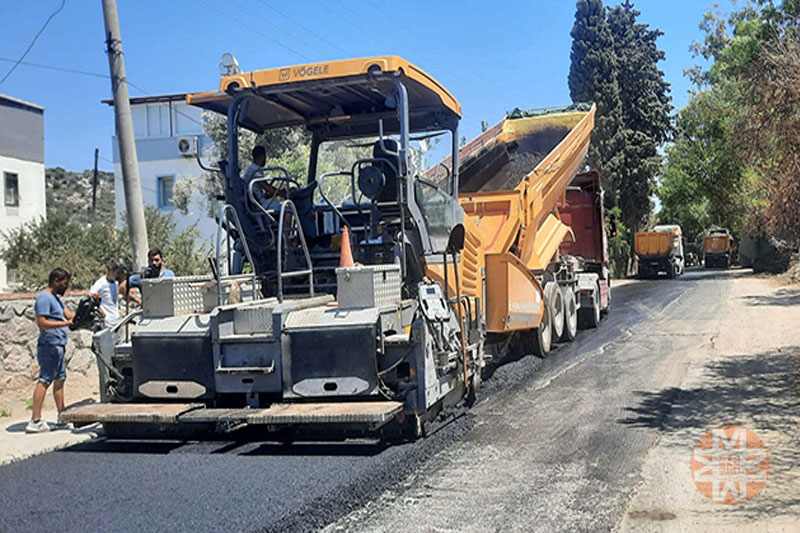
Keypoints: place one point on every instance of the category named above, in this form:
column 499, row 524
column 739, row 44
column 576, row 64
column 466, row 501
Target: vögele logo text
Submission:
column 311, row 70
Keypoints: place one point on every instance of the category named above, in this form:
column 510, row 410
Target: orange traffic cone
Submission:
column 345, row 254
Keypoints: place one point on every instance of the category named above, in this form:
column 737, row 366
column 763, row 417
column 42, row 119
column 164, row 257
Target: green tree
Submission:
column 763, row 57
column 593, row 78
column 736, row 157
column 70, row 193
column 702, row 182
column 644, row 95
column 62, row 240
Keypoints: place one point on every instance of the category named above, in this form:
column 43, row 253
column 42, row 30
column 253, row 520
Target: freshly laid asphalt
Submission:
column 264, row 486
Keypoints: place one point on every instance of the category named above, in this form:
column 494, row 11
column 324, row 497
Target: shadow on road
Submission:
column 326, row 449
column 132, row 447
column 763, row 388
column 705, row 274
column 781, row 298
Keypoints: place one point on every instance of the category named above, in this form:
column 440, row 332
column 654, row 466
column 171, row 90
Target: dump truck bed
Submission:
column 653, row 243
column 716, row 244
column 511, row 179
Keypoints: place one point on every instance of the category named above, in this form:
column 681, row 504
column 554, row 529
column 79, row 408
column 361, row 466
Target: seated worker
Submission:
column 154, row 269
column 268, row 196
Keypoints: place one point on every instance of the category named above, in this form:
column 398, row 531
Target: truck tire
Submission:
column 589, row 317
column 540, row 340
column 671, row 271
column 554, row 299
column 570, row 316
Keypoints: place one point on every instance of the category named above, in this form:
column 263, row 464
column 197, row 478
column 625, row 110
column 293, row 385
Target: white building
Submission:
column 21, row 170
column 168, row 134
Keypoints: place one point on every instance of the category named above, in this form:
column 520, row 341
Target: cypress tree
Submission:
column 645, row 99
column 593, row 78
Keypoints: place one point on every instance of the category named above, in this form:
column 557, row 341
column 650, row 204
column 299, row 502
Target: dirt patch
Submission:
column 16, row 393
column 656, row 515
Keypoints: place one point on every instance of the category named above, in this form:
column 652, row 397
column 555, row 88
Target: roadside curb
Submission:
column 16, row 445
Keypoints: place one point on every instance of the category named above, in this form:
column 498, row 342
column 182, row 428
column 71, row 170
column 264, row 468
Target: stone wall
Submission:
column 18, row 336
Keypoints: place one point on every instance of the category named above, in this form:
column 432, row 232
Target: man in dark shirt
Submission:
column 155, row 269
column 53, row 320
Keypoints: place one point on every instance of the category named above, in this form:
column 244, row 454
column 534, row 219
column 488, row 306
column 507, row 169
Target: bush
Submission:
column 86, row 248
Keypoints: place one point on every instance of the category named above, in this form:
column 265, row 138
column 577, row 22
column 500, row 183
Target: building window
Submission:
column 11, row 189
column 165, row 184
column 11, row 276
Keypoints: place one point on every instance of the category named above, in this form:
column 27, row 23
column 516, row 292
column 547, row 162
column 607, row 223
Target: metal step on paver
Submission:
column 148, row 413
column 375, row 413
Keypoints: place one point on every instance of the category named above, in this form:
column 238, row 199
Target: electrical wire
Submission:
column 51, row 67
column 366, row 25
column 56, row 12
column 306, row 28
column 96, row 75
column 262, row 34
column 268, row 23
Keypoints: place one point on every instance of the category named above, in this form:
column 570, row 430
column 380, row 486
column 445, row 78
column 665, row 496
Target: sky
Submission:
column 492, row 56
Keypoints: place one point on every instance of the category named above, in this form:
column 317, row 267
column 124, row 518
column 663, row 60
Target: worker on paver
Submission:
column 53, row 319
column 268, row 196
column 155, row 269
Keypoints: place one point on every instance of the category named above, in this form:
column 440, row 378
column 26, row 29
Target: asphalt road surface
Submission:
column 572, row 414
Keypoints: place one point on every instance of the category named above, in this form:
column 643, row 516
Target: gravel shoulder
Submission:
column 746, row 375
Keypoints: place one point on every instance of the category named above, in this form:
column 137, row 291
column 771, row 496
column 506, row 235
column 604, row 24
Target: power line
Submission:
column 178, row 111
column 262, row 34
column 367, row 24
column 51, row 67
column 63, row 3
column 306, row 28
column 95, row 75
column 311, row 46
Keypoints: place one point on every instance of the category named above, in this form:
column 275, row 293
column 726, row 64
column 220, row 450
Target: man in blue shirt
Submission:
column 53, row 320
column 155, row 269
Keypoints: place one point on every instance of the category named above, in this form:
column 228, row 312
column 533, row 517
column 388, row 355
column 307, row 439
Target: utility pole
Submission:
column 131, row 183
column 94, row 181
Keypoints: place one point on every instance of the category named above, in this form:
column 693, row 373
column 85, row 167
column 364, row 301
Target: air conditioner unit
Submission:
column 187, row 146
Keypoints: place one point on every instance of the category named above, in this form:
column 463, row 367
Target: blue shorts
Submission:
column 52, row 366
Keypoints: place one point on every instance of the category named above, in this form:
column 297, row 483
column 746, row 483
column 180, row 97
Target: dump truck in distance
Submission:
column 718, row 248
column 660, row 250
